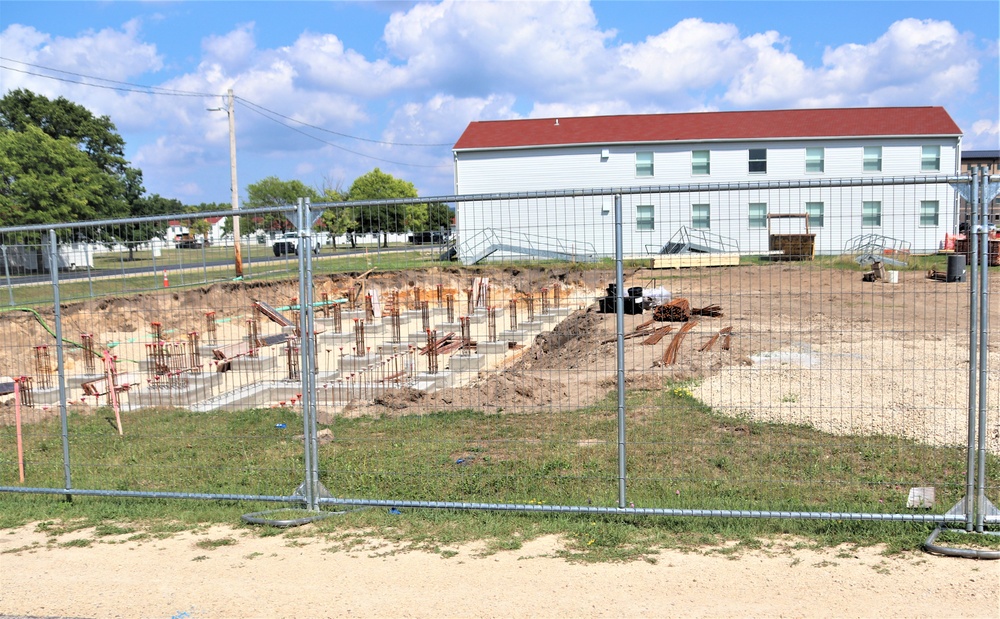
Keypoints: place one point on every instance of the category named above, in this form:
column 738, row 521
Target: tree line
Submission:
column 61, row 163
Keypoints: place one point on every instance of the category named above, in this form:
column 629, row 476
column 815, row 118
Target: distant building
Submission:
column 989, row 159
column 714, row 147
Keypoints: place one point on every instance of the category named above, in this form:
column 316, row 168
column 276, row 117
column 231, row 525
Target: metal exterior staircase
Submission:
column 869, row 248
column 487, row 242
column 687, row 240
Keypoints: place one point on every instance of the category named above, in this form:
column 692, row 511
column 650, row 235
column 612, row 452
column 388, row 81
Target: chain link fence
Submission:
column 795, row 350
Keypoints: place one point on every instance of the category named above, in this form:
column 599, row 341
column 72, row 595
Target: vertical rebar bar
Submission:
column 326, row 304
column 43, row 367
column 530, row 304
column 369, row 309
column 211, row 328
column 440, row 295
column 466, row 331
column 194, row 358
column 545, row 301
column 556, row 289
column 513, row 314
column 470, row 302
column 432, row 354
column 338, row 323
column 359, row 336
column 450, row 308
column 397, row 331
column 425, row 316
column 87, row 339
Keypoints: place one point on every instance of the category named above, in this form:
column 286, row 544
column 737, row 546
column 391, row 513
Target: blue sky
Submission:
column 329, row 90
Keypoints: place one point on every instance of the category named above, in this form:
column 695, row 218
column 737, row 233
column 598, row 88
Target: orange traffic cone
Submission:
column 166, row 282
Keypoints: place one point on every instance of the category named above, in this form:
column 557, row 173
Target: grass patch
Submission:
column 212, row 544
column 680, row 454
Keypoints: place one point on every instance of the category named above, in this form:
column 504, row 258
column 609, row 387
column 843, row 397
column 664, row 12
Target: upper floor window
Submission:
column 873, row 159
column 758, row 160
column 644, row 164
column 701, row 162
column 644, row 217
column 930, row 159
column 758, row 214
column 815, row 159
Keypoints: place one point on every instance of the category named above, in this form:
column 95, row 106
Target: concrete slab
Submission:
column 442, row 379
column 518, row 336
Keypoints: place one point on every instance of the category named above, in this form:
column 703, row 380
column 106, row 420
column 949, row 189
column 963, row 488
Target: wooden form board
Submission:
column 689, row 260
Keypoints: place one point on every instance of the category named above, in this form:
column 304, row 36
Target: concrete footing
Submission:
column 355, row 363
column 467, row 363
column 492, row 348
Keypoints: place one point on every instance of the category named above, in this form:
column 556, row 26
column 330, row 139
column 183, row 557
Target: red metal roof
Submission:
column 704, row 126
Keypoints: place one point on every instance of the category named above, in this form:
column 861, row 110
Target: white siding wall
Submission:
column 590, row 220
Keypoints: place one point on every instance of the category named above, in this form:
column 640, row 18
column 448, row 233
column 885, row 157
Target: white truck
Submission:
column 289, row 244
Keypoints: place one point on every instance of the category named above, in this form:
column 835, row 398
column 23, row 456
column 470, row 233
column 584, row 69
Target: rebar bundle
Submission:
column 210, row 328
column 43, row 367
column 432, row 354
column 491, row 324
column 513, row 314
column 466, row 334
column 338, row 323
column 194, row 359
column 450, row 307
column 87, row 339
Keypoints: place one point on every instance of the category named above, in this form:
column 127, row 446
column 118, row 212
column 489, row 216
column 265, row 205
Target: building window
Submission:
column 701, row 162
column 758, row 214
column 644, row 164
column 701, row 216
column 758, row 160
column 815, row 212
column 815, row 159
column 644, row 217
column 873, row 159
column 928, row 212
column 930, row 159
column 871, row 214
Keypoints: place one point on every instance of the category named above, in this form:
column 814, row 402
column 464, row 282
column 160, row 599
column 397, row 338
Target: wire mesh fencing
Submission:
column 792, row 350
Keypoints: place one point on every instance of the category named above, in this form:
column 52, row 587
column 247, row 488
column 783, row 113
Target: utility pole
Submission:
column 231, row 110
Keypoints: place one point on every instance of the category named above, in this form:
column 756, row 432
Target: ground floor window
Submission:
column 644, row 217
column 758, row 214
column 701, row 216
column 929, row 212
column 815, row 211
column 871, row 214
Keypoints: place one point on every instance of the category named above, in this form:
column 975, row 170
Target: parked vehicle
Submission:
column 188, row 241
column 289, row 244
column 428, row 238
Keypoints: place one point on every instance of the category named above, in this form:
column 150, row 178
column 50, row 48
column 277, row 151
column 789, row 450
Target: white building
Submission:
column 711, row 148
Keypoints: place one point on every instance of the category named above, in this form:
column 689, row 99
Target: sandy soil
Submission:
column 308, row 577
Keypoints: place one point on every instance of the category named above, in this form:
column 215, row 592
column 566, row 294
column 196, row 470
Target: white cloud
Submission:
column 233, row 49
column 985, row 134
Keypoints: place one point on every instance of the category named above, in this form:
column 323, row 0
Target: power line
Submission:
column 157, row 90
column 338, row 146
column 343, row 135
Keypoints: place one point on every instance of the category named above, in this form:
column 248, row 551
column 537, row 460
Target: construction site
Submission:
column 789, row 343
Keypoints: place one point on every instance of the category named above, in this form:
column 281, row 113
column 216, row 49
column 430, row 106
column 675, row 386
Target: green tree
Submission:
column 271, row 192
column 46, row 180
column 95, row 137
column 338, row 220
column 383, row 219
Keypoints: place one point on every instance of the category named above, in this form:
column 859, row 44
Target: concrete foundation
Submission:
column 184, row 391
column 518, row 336
column 492, row 348
column 449, row 327
column 337, row 339
column 531, row 327
column 389, row 348
column 259, row 363
column 356, row 363
column 467, row 363
column 442, row 379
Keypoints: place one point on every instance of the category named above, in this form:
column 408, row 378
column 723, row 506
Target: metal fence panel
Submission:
column 700, row 350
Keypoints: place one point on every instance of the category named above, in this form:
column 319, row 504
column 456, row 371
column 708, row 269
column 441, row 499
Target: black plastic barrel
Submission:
column 956, row 268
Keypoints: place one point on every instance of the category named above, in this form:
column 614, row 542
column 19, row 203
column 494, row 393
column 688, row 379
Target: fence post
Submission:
column 54, row 272
column 982, row 503
column 306, row 359
column 620, row 347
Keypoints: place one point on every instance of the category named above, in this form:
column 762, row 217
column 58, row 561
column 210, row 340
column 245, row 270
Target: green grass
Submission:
column 680, row 455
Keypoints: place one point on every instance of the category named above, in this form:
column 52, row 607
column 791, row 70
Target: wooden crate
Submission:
column 962, row 247
column 792, row 246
